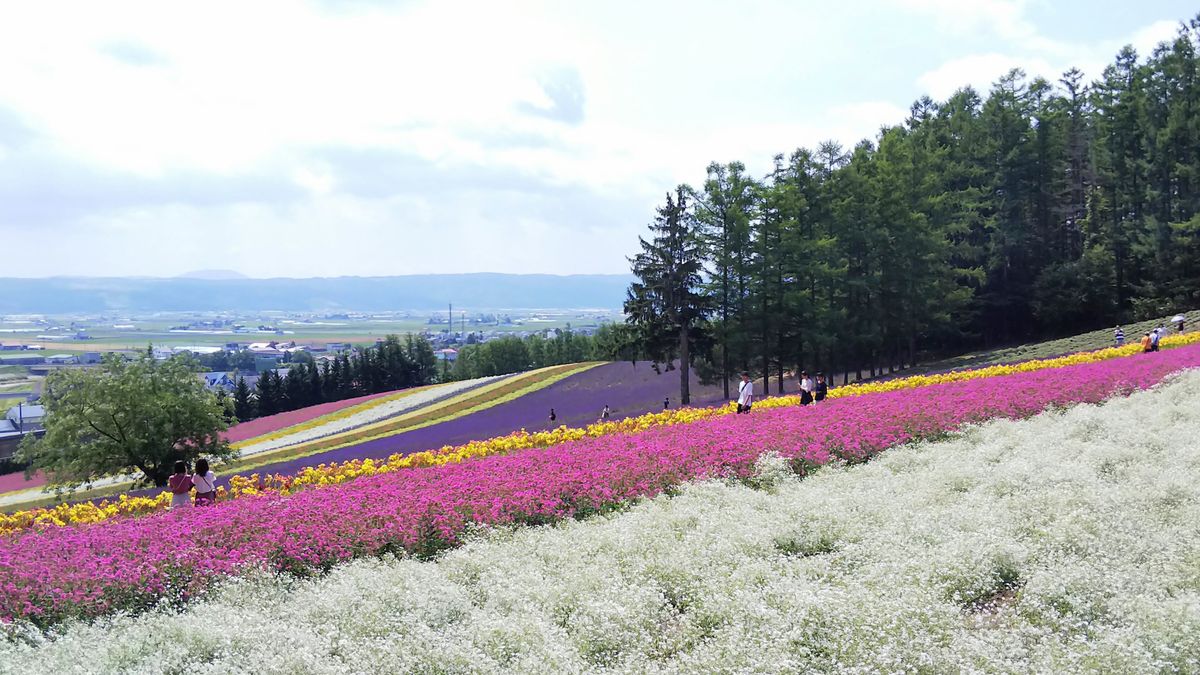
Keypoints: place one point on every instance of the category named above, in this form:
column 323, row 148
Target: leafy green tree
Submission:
column 125, row 416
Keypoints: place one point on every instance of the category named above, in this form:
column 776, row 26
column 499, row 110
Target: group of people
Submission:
column 1149, row 341
column 810, row 391
column 181, row 484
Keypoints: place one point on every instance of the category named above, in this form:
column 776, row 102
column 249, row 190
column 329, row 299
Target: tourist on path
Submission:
column 1119, row 336
column 745, row 394
column 605, row 414
column 205, row 482
column 1155, row 337
column 822, row 388
column 1147, row 346
column 180, row 485
column 553, row 417
column 666, row 403
column 806, row 389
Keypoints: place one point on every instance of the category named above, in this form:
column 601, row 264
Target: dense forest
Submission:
column 1040, row 209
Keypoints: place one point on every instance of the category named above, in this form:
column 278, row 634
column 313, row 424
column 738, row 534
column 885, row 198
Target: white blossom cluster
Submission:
column 1065, row 543
column 372, row 412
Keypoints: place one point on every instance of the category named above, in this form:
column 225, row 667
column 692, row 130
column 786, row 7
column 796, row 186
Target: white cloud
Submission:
column 524, row 131
column 979, row 71
column 1145, row 39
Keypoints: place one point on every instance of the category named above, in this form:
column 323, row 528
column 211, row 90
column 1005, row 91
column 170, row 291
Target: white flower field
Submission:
column 1069, row 542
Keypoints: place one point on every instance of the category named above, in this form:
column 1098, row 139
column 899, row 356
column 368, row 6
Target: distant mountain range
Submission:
column 56, row 295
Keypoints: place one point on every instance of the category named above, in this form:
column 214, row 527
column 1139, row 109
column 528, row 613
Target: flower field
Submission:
column 279, row 421
column 131, row 563
column 298, row 473
column 1063, row 543
column 362, row 414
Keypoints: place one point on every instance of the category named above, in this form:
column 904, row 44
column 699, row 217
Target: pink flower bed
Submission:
column 270, row 423
column 11, row 482
column 129, row 564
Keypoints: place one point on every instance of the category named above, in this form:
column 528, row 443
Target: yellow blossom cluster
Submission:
column 87, row 512
column 331, row 474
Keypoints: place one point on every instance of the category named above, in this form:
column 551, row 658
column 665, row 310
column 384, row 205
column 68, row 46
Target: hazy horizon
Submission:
column 322, row 139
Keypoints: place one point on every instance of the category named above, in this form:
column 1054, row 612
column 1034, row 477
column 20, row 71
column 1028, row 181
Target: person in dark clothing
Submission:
column 666, row 403
column 553, row 417
column 822, row 388
column 605, row 414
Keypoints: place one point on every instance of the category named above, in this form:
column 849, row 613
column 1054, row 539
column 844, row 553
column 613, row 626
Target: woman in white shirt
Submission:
column 806, row 389
column 205, row 482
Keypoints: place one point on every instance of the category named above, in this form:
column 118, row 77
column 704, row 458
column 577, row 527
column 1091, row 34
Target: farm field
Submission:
column 628, row 389
column 135, row 333
column 440, row 404
column 1061, row 543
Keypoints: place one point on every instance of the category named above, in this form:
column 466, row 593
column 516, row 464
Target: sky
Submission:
column 334, row 138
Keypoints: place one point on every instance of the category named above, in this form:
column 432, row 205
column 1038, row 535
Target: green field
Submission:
column 103, row 336
column 1097, row 339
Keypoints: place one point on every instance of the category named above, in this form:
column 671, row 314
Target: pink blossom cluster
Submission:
column 129, row 564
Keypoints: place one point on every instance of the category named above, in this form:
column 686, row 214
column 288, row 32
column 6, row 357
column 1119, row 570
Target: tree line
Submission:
column 1040, row 209
column 394, row 363
column 512, row 354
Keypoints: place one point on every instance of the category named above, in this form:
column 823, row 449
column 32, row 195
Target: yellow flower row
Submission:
column 331, row 474
column 87, row 512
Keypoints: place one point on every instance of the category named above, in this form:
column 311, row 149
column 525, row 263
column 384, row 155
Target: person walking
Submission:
column 1155, row 336
column 1119, row 336
column 205, row 482
column 180, row 484
column 822, row 388
column 745, row 394
column 605, row 414
column 666, row 402
column 553, row 417
column 806, row 389
column 1146, row 344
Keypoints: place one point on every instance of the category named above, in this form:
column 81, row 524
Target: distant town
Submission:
column 32, row 346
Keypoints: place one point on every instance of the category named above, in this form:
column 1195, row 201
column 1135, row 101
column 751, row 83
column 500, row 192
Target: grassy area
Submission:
column 1097, row 339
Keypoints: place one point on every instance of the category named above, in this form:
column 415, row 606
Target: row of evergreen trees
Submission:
column 1041, row 209
column 512, row 354
column 394, row 363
